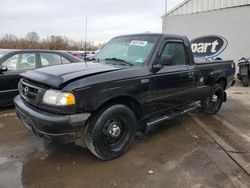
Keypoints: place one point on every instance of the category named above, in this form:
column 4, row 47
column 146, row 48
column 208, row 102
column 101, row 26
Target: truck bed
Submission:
column 217, row 69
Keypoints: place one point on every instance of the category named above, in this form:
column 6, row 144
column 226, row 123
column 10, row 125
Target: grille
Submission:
column 31, row 92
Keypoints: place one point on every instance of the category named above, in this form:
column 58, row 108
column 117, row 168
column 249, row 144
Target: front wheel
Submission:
column 212, row 104
column 110, row 132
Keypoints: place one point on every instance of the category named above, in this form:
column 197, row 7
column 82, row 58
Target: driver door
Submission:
column 171, row 85
column 16, row 64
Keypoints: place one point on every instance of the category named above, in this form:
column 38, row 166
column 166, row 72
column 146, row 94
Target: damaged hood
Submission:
column 56, row 76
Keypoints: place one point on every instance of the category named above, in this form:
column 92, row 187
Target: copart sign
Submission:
column 208, row 46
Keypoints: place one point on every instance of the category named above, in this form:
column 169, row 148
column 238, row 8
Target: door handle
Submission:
column 144, row 81
column 190, row 74
column 187, row 75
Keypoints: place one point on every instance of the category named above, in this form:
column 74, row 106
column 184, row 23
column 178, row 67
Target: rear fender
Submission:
column 215, row 77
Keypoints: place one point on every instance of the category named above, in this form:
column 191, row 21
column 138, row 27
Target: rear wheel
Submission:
column 212, row 104
column 245, row 81
column 109, row 134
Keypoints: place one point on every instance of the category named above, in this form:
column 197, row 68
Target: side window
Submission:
column 49, row 59
column 27, row 61
column 176, row 51
column 21, row 62
column 64, row 60
column 11, row 63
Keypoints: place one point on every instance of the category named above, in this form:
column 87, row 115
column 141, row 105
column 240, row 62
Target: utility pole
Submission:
column 166, row 7
column 165, row 15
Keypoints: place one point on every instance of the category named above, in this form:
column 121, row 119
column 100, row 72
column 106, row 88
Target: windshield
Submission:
column 131, row 50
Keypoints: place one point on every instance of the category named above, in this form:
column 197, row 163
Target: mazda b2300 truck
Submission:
column 134, row 83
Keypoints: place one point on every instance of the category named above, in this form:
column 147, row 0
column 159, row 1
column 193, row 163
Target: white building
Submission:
column 227, row 18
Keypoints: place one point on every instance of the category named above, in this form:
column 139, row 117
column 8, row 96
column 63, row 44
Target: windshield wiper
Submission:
column 119, row 60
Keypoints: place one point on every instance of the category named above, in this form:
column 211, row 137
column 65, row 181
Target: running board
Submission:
column 159, row 119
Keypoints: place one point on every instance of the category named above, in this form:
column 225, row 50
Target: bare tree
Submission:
column 55, row 42
column 8, row 41
column 33, row 39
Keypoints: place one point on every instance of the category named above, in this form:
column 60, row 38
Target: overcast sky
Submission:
column 106, row 18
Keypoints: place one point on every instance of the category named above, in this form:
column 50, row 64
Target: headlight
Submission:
column 58, row 98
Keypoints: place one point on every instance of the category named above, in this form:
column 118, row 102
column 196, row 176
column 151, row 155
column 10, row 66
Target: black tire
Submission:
column 245, row 81
column 110, row 132
column 212, row 104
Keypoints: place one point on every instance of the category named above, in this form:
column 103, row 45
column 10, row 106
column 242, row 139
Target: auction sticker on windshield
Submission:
column 138, row 43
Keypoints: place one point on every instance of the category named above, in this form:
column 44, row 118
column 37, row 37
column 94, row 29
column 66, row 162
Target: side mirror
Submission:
column 165, row 60
column 3, row 69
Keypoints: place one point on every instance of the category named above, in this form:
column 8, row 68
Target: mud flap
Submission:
column 225, row 97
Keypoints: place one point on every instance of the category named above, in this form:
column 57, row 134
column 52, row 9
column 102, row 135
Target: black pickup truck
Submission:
column 135, row 82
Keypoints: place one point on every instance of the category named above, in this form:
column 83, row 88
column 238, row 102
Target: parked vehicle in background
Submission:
column 77, row 54
column 90, row 56
column 244, row 71
column 14, row 62
column 136, row 82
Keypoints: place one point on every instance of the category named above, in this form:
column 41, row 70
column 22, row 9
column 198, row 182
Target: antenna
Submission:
column 85, row 43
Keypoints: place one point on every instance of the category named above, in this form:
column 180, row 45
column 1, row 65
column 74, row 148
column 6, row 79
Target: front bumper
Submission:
column 51, row 127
